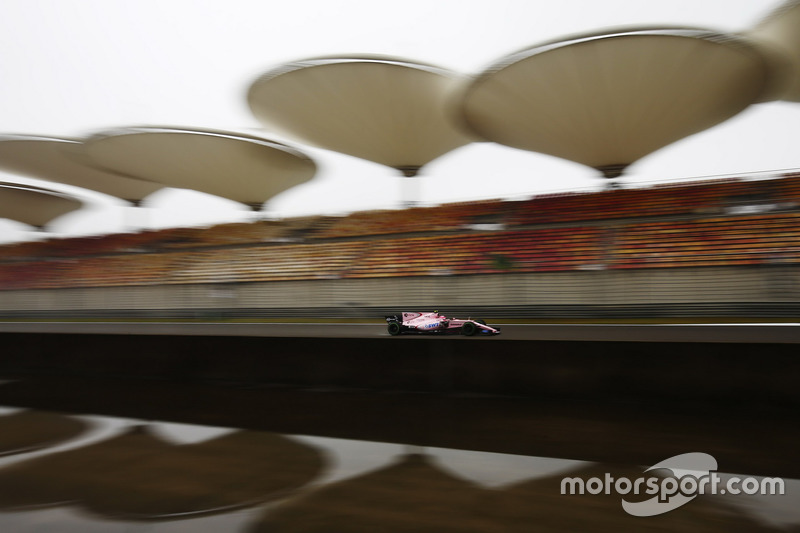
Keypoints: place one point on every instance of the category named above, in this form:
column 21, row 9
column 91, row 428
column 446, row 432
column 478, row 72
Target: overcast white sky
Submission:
column 74, row 67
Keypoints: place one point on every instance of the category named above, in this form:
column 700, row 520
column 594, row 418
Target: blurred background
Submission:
column 519, row 159
column 309, row 167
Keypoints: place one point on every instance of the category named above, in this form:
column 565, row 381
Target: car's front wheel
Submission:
column 394, row 328
column 469, row 328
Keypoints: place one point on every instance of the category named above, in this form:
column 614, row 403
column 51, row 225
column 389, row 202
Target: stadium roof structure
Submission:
column 779, row 33
column 608, row 99
column 242, row 168
column 32, row 205
column 59, row 160
column 386, row 110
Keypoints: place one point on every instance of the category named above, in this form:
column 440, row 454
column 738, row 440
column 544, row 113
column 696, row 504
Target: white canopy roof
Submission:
column 780, row 33
column 389, row 111
column 58, row 160
column 34, row 205
column 607, row 100
column 243, row 168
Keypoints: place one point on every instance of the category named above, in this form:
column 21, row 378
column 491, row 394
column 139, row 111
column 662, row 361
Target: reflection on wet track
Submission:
column 137, row 474
column 104, row 474
column 30, row 430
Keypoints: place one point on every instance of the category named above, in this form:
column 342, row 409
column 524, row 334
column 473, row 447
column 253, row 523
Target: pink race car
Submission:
column 436, row 323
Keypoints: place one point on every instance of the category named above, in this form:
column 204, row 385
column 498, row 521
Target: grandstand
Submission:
column 720, row 247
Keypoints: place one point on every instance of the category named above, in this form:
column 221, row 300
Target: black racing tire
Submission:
column 480, row 321
column 394, row 328
column 469, row 329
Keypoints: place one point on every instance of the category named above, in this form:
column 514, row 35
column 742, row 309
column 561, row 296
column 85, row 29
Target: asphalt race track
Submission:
column 788, row 333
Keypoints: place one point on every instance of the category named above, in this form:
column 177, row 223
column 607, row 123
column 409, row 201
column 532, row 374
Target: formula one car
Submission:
column 435, row 323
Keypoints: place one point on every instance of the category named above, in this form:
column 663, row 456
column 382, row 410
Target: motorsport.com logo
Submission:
column 692, row 474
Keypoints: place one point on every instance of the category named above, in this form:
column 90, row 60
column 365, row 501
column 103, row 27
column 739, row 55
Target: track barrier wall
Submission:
column 737, row 372
column 753, row 291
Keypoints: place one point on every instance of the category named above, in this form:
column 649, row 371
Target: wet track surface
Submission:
column 157, row 476
column 361, row 433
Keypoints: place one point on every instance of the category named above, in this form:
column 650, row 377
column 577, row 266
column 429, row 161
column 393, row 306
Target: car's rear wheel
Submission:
column 469, row 329
column 394, row 328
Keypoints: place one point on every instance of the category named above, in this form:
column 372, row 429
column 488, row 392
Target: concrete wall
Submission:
column 777, row 286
